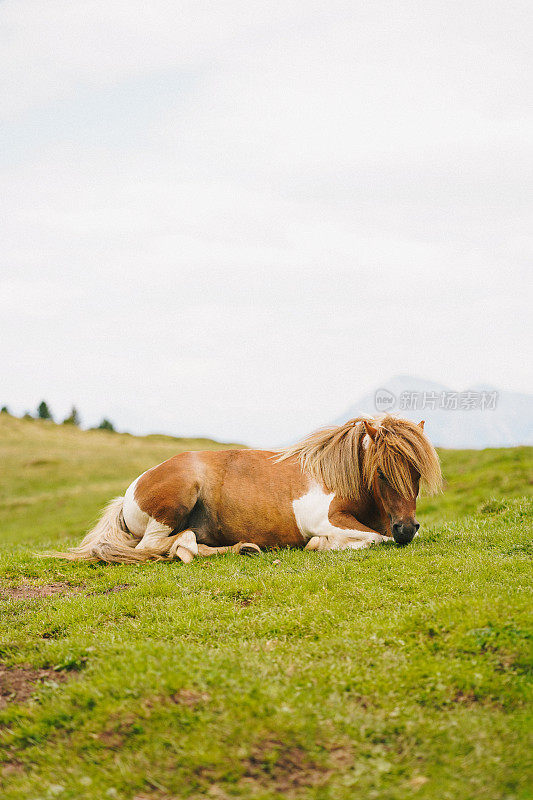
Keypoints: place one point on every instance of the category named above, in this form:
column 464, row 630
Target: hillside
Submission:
column 474, row 478
column 507, row 421
column 290, row 676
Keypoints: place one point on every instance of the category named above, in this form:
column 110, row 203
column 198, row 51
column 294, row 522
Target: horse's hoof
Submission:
column 314, row 543
column 248, row 549
column 184, row 555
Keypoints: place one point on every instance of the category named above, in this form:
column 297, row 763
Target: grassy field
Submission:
column 383, row 673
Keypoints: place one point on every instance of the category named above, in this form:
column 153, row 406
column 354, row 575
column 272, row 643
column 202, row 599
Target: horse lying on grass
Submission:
column 343, row 487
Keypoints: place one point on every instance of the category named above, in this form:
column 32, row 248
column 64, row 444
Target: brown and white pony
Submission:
column 342, row 487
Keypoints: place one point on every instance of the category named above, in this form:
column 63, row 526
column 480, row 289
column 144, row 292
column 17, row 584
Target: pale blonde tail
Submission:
column 109, row 540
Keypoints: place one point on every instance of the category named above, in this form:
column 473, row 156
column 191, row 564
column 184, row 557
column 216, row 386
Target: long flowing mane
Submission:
column 345, row 459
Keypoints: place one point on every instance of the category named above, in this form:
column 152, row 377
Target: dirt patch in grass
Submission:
column 183, row 697
column 30, row 591
column 10, row 768
column 243, row 598
column 470, row 698
column 465, row 698
column 286, row 769
column 57, row 632
column 283, row 768
column 17, row 684
column 363, row 701
column 115, row 736
column 190, row 698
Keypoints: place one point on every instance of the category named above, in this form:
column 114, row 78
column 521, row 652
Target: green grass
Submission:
column 384, row 673
column 473, row 477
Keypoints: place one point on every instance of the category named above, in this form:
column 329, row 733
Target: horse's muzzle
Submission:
column 403, row 532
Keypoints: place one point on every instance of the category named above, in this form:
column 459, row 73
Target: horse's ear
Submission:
column 421, row 423
column 372, row 432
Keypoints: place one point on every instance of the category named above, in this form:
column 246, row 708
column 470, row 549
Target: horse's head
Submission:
column 385, row 456
column 399, row 455
column 401, row 510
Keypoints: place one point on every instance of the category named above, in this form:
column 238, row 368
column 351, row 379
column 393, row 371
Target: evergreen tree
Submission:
column 106, row 425
column 73, row 418
column 4, row 410
column 43, row 412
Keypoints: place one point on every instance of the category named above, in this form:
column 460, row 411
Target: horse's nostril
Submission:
column 417, row 525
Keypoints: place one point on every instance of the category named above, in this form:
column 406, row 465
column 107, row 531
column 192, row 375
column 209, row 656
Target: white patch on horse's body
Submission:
column 136, row 520
column 311, row 512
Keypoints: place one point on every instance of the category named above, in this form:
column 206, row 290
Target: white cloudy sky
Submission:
column 234, row 218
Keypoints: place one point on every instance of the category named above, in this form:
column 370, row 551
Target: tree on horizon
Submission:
column 106, row 425
column 43, row 412
column 73, row 418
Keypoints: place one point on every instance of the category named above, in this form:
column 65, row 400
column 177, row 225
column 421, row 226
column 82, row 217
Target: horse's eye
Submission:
column 381, row 475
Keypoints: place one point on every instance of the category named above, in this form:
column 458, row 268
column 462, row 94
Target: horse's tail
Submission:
column 109, row 540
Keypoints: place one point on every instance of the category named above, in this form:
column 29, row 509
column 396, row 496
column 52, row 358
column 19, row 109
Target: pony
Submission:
column 342, row 487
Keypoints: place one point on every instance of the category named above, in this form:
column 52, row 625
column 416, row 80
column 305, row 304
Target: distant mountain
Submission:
column 476, row 417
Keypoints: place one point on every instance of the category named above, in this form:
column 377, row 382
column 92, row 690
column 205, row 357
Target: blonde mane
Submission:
column 346, row 463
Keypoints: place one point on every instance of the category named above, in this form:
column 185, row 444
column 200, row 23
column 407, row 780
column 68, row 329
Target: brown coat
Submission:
column 232, row 496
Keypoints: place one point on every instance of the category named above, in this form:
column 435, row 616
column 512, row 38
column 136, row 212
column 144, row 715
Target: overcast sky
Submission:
column 234, row 218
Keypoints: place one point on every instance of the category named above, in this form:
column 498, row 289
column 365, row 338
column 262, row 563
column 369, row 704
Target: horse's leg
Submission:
column 242, row 548
column 183, row 546
column 341, row 541
column 344, row 524
column 158, row 542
